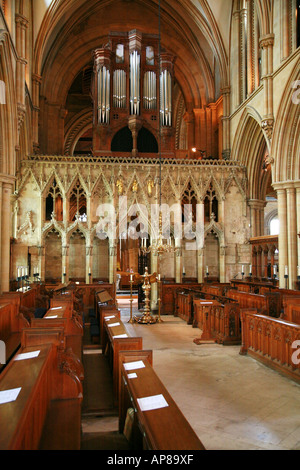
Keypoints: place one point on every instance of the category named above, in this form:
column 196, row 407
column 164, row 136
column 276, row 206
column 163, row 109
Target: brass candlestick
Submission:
column 159, row 320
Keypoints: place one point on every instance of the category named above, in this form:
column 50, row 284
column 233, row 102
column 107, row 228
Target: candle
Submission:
column 207, row 269
column 159, row 277
column 183, row 270
column 89, row 270
column 131, row 277
column 286, row 270
column 275, row 269
column 19, row 272
column 243, row 269
column 64, row 269
column 298, row 268
column 250, row 269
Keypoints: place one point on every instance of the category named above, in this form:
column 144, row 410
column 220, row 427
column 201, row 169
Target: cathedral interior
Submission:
column 151, row 148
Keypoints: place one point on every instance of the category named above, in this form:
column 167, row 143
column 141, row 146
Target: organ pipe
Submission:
column 103, row 95
column 150, row 90
column 119, row 89
column 135, row 83
column 166, row 98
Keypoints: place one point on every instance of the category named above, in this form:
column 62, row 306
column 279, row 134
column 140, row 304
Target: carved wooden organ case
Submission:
column 132, row 96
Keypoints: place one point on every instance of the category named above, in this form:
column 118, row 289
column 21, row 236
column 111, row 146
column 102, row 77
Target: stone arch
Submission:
column 8, row 113
column 286, row 142
column 249, row 147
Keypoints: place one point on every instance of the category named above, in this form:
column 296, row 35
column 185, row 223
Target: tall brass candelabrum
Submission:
column 147, row 317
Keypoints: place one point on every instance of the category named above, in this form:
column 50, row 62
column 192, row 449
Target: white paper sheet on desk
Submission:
column 55, row 308
column 30, row 355
column 111, row 316
column 50, row 316
column 113, row 324
column 134, row 365
column 9, row 395
column 206, row 303
column 132, row 376
column 120, row 336
column 152, row 403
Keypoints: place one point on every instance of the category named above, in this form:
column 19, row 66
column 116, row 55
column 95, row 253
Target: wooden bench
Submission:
column 114, row 340
column 46, row 413
column 168, row 295
column 64, row 317
column 270, row 340
column 163, row 428
column 268, row 304
column 184, row 306
column 11, row 324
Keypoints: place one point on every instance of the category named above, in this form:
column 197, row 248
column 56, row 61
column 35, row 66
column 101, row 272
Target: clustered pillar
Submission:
column 288, row 195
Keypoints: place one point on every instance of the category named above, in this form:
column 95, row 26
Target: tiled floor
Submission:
column 232, row 402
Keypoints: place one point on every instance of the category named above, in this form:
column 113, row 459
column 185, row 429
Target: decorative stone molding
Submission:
column 267, row 126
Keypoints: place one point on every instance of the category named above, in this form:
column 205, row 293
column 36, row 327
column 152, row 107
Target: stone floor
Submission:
column 232, row 402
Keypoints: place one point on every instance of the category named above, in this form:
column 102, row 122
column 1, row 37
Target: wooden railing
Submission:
column 272, row 341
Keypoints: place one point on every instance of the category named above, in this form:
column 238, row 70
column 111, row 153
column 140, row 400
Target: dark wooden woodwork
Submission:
column 112, row 345
column 65, row 317
column 40, row 417
column 159, row 429
column 269, row 304
column 168, row 292
column 11, row 324
column 218, row 322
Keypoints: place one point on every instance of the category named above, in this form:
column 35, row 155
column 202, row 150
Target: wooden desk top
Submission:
column 114, row 327
column 22, row 374
column 165, row 428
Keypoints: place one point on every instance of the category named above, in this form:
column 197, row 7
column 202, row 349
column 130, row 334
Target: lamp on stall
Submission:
column 202, row 152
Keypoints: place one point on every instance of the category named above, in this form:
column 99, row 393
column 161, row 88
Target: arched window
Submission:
column 122, row 141
column 274, row 226
column 54, row 203
column 146, row 142
column 78, row 203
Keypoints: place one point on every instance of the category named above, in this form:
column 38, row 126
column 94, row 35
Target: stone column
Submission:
column 89, row 265
column 298, row 220
column 250, row 48
column 41, row 262
column 65, row 263
column 36, row 83
column 267, row 43
column 112, row 267
column 226, row 123
column 257, row 217
column 200, row 237
column 222, row 263
column 292, row 235
column 282, row 238
column 178, row 261
column 5, row 235
column 21, row 26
